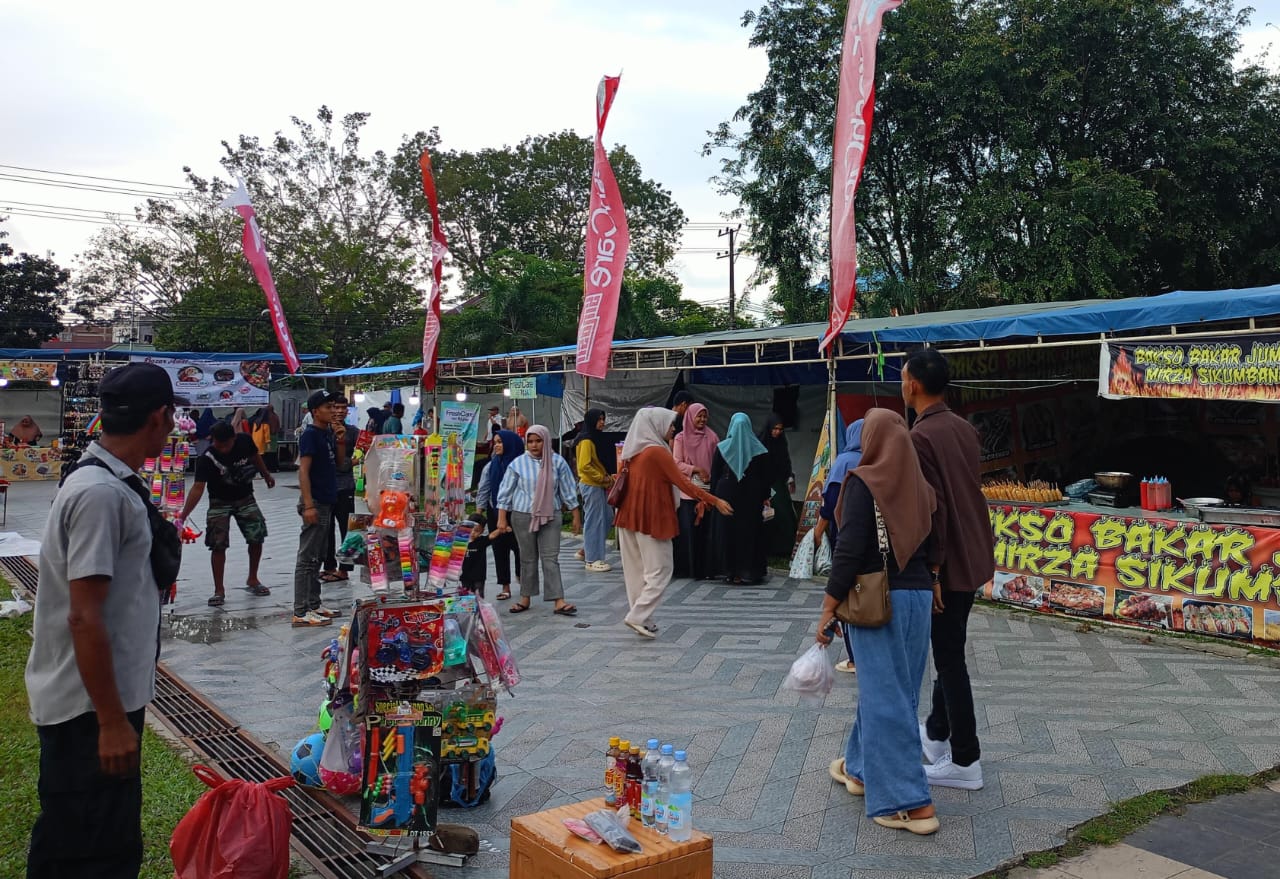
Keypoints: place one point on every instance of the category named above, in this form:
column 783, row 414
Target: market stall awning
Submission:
column 85, row 353
column 367, row 370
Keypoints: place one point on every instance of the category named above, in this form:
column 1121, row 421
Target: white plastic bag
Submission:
column 822, row 558
column 802, row 561
column 812, row 675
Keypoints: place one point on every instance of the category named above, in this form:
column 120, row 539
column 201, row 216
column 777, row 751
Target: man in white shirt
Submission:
column 92, row 666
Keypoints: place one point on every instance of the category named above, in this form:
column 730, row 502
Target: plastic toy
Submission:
column 406, row 642
column 466, row 727
column 408, row 560
column 488, row 639
column 402, row 742
column 190, row 534
column 393, row 509
column 377, row 562
column 304, row 762
column 455, row 646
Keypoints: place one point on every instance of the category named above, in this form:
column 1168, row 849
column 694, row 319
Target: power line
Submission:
column 87, row 176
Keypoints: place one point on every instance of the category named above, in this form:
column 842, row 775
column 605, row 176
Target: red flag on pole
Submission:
column 608, row 240
column 439, row 250
column 256, row 253
column 854, row 110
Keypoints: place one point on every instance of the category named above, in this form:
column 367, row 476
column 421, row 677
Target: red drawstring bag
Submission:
column 237, row 829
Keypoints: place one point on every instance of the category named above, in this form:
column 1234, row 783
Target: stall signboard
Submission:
column 1214, row 580
column 30, row 464
column 217, row 382
column 28, row 370
column 523, row 388
column 463, row 421
column 1241, row 368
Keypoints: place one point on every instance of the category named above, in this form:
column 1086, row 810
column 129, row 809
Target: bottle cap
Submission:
column 613, row 741
column 652, row 744
column 668, row 749
column 626, row 745
column 681, row 755
column 635, row 750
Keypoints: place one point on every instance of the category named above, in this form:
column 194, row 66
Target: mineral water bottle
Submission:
column 649, row 784
column 610, row 764
column 680, row 801
column 665, row 762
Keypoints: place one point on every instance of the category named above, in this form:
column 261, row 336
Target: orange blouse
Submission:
column 648, row 505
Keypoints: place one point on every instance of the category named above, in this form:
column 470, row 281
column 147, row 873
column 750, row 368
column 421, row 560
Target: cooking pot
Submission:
column 1194, row 505
column 1113, row 480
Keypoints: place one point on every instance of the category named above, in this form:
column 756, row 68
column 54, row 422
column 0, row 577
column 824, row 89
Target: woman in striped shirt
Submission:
column 536, row 486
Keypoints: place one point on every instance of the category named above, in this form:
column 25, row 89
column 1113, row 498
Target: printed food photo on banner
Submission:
column 1144, row 609
column 1271, row 625
column 1209, row 618
column 1019, row 589
column 1073, row 598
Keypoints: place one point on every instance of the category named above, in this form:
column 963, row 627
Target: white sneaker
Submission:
column 933, row 751
column 641, row 630
column 310, row 618
column 325, row 612
column 599, row 567
column 945, row 773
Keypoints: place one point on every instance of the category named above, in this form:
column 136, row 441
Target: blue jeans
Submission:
column 884, row 745
column 595, row 521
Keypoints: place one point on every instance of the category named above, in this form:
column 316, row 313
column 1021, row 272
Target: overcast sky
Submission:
column 136, row 90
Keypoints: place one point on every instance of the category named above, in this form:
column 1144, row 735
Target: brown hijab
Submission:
column 891, row 469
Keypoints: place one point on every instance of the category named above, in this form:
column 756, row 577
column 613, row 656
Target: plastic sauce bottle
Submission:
column 620, row 773
column 680, row 800
column 664, row 788
column 635, row 780
column 649, row 782
column 610, row 764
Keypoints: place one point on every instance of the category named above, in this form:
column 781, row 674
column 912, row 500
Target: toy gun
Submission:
column 400, row 803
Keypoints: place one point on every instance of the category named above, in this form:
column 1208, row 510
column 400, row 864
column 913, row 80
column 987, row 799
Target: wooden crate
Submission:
column 542, row 848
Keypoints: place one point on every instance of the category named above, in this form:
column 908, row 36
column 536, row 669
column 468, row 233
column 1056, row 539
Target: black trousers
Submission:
column 952, row 714
column 503, row 545
column 90, row 825
column 344, row 506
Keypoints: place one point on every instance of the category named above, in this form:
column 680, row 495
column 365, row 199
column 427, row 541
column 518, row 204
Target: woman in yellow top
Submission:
column 597, row 466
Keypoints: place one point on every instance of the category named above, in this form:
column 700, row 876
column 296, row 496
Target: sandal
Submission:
column 332, row 577
column 217, row 600
column 257, row 589
column 518, row 608
column 568, row 610
column 503, row 595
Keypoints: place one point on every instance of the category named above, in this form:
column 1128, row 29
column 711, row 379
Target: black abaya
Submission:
column 738, row 541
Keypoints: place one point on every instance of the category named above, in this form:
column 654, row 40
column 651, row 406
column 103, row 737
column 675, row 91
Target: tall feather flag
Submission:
column 854, row 110
column 439, row 250
column 608, row 240
column 256, row 253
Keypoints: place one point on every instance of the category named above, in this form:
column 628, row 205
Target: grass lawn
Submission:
column 168, row 787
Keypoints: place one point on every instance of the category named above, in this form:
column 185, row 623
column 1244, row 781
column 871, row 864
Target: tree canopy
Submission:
column 1023, row 150
column 32, row 290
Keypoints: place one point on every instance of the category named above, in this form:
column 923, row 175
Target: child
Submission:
column 474, row 569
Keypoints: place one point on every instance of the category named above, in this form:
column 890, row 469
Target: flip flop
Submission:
column 518, row 608
column 217, row 600
column 503, row 595
column 332, row 577
column 568, row 610
column 257, row 589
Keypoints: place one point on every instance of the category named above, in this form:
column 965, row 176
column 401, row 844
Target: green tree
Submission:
column 533, row 198
column 32, row 290
column 1023, row 150
column 345, row 261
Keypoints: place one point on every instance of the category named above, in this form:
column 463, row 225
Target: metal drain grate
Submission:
column 324, row 832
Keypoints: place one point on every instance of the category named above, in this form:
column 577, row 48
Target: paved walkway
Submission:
column 1071, row 718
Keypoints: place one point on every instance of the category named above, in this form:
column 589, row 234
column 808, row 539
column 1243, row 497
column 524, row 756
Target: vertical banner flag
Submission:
column 854, row 110
column 439, row 250
column 256, row 253
column 608, row 240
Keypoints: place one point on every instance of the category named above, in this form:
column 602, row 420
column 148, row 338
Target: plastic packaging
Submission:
column 582, row 830
column 238, row 828
column 664, row 788
column 812, row 675
column 680, row 801
column 649, row 782
column 605, row 823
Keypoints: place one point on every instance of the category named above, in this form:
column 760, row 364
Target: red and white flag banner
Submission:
column 439, row 250
column 256, row 253
column 608, row 240
column 854, row 110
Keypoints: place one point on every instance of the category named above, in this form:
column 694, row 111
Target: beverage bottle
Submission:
column 649, row 784
column 610, row 764
column 635, row 777
column 620, row 773
column 665, row 762
column 680, row 800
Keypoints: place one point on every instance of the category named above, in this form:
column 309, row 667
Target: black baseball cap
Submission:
column 493, row 409
column 138, row 387
column 320, row 398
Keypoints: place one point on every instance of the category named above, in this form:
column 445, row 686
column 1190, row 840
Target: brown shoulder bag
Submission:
column 867, row 604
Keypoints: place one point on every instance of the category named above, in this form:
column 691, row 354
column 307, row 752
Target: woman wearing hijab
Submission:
column 840, row 468
column 740, row 475
column 239, row 421
column 693, row 449
column 376, row 417
column 646, row 518
column 881, row 761
column 536, row 486
column 597, row 465
column 780, row 531
column 506, row 448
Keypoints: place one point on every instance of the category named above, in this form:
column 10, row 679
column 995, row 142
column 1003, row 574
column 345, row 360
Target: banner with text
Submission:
column 217, row 382
column 1216, row 580
column 28, row 370
column 1226, row 368
column 460, row 426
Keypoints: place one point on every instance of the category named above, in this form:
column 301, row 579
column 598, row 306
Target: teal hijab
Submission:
column 740, row 445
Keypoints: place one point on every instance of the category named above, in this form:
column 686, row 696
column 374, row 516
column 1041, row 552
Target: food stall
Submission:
column 30, row 418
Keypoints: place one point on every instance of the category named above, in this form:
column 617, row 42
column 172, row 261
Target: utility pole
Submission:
column 732, row 255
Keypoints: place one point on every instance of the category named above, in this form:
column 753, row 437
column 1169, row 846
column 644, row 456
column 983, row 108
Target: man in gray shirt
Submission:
column 92, row 666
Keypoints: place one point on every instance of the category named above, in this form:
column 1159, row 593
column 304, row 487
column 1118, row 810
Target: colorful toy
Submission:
column 304, row 762
column 157, row 489
column 377, row 563
column 402, row 744
column 406, row 643
column 408, row 560
column 467, row 725
column 190, row 533
column 324, row 720
column 455, row 646
column 166, row 458
column 393, row 510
